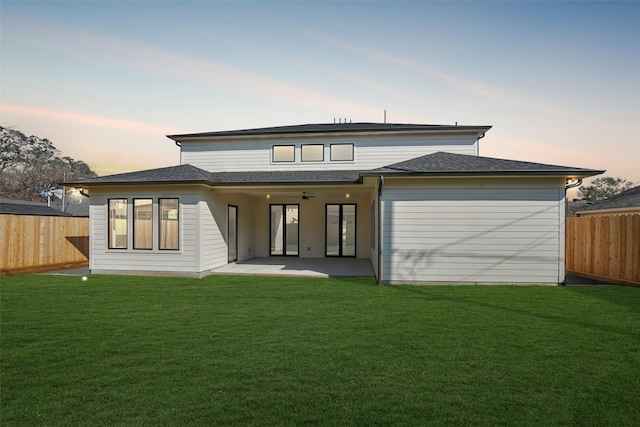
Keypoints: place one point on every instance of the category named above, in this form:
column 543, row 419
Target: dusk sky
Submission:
column 106, row 81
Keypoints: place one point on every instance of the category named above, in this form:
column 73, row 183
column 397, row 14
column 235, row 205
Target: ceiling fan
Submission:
column 305, row 196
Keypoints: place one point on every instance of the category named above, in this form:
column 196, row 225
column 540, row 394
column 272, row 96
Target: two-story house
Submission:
column 417, row 201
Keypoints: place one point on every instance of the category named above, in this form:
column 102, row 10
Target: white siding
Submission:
column 487, row 231
column 213, row 247
column 369, row 152
column 214, row 228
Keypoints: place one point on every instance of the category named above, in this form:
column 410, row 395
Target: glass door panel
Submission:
column 349, row 230
column 284, row 230
column 291, row 231
column 277, row 230
column 333, row 230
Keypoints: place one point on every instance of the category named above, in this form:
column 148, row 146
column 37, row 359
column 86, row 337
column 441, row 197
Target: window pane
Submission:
column 169, row 235
column 118, row 224
column 283, row 153
column 277, row 230
column 142, row 224
column 341, row 152
column 349, row 230
column 333, row 230
column 292, row 230
column 313, row 153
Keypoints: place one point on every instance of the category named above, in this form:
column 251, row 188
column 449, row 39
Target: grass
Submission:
column 237, row 350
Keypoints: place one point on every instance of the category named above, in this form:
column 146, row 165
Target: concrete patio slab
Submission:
column 283, row 266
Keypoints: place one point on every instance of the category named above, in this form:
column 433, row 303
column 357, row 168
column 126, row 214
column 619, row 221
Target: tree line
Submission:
column 30, row 165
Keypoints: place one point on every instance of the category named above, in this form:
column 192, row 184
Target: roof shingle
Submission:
column 22, row 207
column 451, row 163
column 628, row 199
column 332, row 128
column 188, row 174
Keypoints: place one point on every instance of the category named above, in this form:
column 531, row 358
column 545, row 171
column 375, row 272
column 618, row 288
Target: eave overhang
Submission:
column 330, row 130
column 580, row 173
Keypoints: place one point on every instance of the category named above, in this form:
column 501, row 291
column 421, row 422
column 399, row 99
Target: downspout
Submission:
column 380, row 230
column 569, row 183
column 478, row 144
column 179, row 144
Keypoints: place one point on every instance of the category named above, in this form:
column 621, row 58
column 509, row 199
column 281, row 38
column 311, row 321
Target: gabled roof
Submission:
column 442, row 163
column 328, row 128
column 628, row 199
column 22, row 207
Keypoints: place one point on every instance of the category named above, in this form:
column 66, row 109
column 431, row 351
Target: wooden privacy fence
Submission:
column 604, row 247
column 30, row 244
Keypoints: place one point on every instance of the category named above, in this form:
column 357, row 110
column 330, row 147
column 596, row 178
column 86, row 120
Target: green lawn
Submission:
column 237, row 350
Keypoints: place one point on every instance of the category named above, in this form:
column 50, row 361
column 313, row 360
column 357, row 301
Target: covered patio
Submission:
column 293, row 266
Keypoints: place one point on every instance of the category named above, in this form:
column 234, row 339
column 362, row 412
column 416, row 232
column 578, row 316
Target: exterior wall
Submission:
column 185, row 261
column 212, row 241
column 216, row 218
column 473, row 230
column 369, row 152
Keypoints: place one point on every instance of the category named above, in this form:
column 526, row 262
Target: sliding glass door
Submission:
column 284, row 230
column 340, row 230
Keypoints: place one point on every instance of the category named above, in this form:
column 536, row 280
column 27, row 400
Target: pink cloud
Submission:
column 455, row 82
column 85, row 119
column 205, row 72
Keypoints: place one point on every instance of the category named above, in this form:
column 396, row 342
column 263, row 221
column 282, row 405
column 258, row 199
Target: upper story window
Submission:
column 283, row 153
column 312, row 152
column 341, row 152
